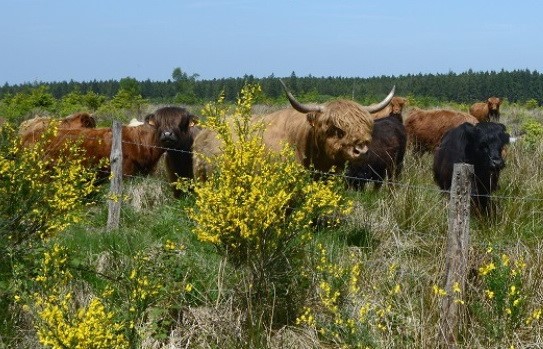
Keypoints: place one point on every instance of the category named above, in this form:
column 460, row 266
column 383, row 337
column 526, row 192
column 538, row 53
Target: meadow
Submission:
column 367, row 276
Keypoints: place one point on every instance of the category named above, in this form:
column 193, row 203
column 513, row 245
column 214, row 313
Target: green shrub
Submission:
column 259, row 209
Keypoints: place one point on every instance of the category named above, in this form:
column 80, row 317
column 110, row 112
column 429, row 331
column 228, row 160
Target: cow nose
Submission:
column 497, row 163
column 168, row 136
column 360, row 150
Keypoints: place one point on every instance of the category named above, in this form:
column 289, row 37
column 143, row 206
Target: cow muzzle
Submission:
column 168, row 137
column 359, row 150
column 497, row 164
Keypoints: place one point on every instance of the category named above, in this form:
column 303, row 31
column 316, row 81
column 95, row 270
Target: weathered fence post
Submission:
column 456, row 263
column 116, row 162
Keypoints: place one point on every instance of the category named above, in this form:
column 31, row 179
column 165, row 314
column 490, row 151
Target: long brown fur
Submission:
column 484, row 111
column 31, row 130
column 314, row 136
column 395, row 107
column 426, row 127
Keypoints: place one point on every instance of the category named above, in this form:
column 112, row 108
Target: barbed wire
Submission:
column 389, row 182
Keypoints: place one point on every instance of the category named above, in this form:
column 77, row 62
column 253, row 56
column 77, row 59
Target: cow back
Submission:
column 426, row 127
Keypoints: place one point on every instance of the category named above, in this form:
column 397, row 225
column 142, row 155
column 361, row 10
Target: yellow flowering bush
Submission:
column 39, row 195
column 502, row 304
column 259, row 207
column 348, row 310
column 39, row 198
column 63, row 323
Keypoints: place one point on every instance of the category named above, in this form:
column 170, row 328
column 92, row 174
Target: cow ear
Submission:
column 89, row 121
column 193, row 120
column 470, row 131
column 150, row 119
column 311, row 117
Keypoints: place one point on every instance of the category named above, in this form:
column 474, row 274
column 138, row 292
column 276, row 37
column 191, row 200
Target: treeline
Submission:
column 467, row 87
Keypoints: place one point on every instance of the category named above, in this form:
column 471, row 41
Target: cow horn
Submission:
column 297, row 105
column 374, row 108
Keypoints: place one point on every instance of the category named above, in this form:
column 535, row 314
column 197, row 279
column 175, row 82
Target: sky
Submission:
column 63, row 40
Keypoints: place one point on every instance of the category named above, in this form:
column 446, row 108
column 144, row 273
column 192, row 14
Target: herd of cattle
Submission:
column 368, row 141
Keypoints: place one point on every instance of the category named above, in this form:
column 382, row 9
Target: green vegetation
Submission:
column 259, row 256
column 518, row 86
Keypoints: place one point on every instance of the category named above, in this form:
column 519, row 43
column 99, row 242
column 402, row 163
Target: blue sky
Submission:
column 57, row 40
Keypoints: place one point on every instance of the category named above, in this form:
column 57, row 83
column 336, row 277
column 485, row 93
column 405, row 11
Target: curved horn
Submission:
column 297, row 105
column 381, row 105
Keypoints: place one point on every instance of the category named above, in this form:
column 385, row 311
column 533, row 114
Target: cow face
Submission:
column 494, row 107
column 489, row 140
column 397, row 104
column 173, row 125
column 344, row 129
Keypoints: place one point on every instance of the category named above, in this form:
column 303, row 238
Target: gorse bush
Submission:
column 40, row 195
column 501, row 305
column 63, row 323
column 39, row 198
column 259, row 209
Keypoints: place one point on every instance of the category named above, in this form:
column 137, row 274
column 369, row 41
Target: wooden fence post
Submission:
column 456, row 262
column 115, row 192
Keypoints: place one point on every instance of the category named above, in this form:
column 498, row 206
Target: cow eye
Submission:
column 339, row 133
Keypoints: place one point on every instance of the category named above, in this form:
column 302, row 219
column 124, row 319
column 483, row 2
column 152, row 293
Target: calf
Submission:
column 384, row 158
column 394, row 108
column 480, row 145
column 487, row 111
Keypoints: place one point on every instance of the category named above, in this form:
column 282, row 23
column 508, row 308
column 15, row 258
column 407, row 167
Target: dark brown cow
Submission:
column 31, row 130
column 426, row 127
column 323, row 136
column 480, row 145
column 487, row 111
column 179, row 153
column 142, row 145
column 394, row 108
column 384, row 158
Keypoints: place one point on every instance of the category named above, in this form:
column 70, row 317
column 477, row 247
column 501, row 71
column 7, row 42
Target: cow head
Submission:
column 494, row 107
column 79, row 120
column 488, row 140
column 173, row 126
column 341, row 128
column 397, row 104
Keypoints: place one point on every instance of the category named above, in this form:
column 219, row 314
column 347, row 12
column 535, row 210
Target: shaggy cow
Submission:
column 384, row 158
column 31, row 130
column 487, row 111
column 426, row 127
column 142, row 146
column 323, row 136
column 480, row 145
column 394, row 108
column 179, row 154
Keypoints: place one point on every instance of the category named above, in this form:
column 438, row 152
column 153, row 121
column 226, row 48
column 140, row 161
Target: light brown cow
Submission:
column 323, row 136
column 394, row 108
column 142, row 146
column 31, row 130
column 487, row 111
column 426, row 127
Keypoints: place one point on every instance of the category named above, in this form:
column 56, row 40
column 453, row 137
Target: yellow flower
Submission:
column 456, row 287
column 438, row 291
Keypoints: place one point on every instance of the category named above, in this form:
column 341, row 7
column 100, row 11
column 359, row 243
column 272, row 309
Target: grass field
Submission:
column 372, row 281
